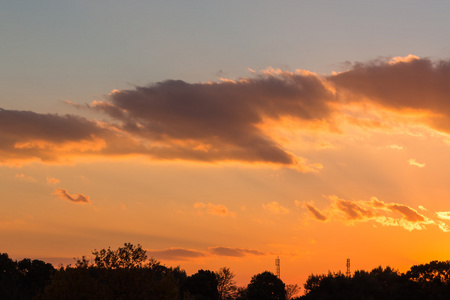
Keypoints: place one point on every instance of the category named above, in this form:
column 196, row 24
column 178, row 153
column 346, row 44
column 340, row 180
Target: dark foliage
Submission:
column 266, row 286
column 23, row 279
column 126, row 273
column 428, row 281
column 202, row 285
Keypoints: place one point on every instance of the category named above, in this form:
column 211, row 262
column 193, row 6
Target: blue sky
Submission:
column 79, row 50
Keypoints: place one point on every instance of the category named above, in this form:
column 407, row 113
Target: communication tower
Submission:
column 348, row 267
column 277, row 264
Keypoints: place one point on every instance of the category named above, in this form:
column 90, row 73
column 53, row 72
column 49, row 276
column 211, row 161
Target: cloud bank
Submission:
column 374, row 210
column 231, row 120
column 189, row 254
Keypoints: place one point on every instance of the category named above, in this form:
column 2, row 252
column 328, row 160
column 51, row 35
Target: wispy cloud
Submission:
column 387, row 214
column 444, row 215
column 26, row 177
column 214, row 209
column 396, row 147
column 413, row 162
column 276, row 208
column 315, row 212
column 52, row 180
column 176, row 254
column 64, row 195
column 190, row 254
column 234, row 252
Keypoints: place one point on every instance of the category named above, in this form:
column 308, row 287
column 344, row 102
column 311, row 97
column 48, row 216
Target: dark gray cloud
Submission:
column 217, row 121
column 174, row 120
column 26, row 135
column 234, row 252
column 176, row 254
column 77, row 198
column 214, row 122
column 315, row 212
column 418, row 84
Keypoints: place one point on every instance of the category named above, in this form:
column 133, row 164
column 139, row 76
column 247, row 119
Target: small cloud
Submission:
column 176, row 254
column 409, row 213
column 51, row 180
column 403, row 59
column 275, row 208
column 234, row 252
column 443, row 215
column 396, row 147
column 422, row 208
column 443, row 226
column 64, row 195
column 315, row 212
column 25, row 177
column 352, row 210
column 199, row 205
column 214, row 209
column 413, row 162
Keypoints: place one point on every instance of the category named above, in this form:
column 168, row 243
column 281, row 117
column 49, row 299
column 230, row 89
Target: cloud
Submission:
column 403, row 59
column 188, row 254
column 29, row 136
column 176, row 254
column 214, row 209
column 52, row 180
column 25, row 177
column 352, row 210
column 444, row 227
column 413, row 162
column 444, row 215
column 234, row 252
column 174, row 120
column 276, row 208
column 409, row 213
column 422, row 208
column 387, row 214
column 218, row 121
column 408, row 84
column 64, row 195
column 396, row 147
column 315, row 212
column 234, row 120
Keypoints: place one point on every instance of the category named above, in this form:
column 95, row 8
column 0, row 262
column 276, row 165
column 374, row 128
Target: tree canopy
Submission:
column 266, row 286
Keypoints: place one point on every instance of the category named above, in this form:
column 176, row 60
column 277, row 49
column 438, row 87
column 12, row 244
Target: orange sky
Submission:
column 313, row 168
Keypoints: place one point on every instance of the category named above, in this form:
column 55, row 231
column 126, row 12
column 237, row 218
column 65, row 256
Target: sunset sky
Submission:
column 227, row 133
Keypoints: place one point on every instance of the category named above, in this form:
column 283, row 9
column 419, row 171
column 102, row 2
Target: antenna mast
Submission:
column 348, row 268
column 277, row 264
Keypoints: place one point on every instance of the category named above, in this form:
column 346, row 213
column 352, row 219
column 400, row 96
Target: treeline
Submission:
column 127, row 273
column 421, row 282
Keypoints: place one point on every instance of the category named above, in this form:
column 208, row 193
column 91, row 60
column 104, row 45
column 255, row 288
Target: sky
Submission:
column 227, row 133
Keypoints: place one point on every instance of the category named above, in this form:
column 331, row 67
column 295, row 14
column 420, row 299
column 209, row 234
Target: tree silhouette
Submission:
column 226, row 285
column 128, row 256
column 202, row 285
column 266, row 286
column 291, row 291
